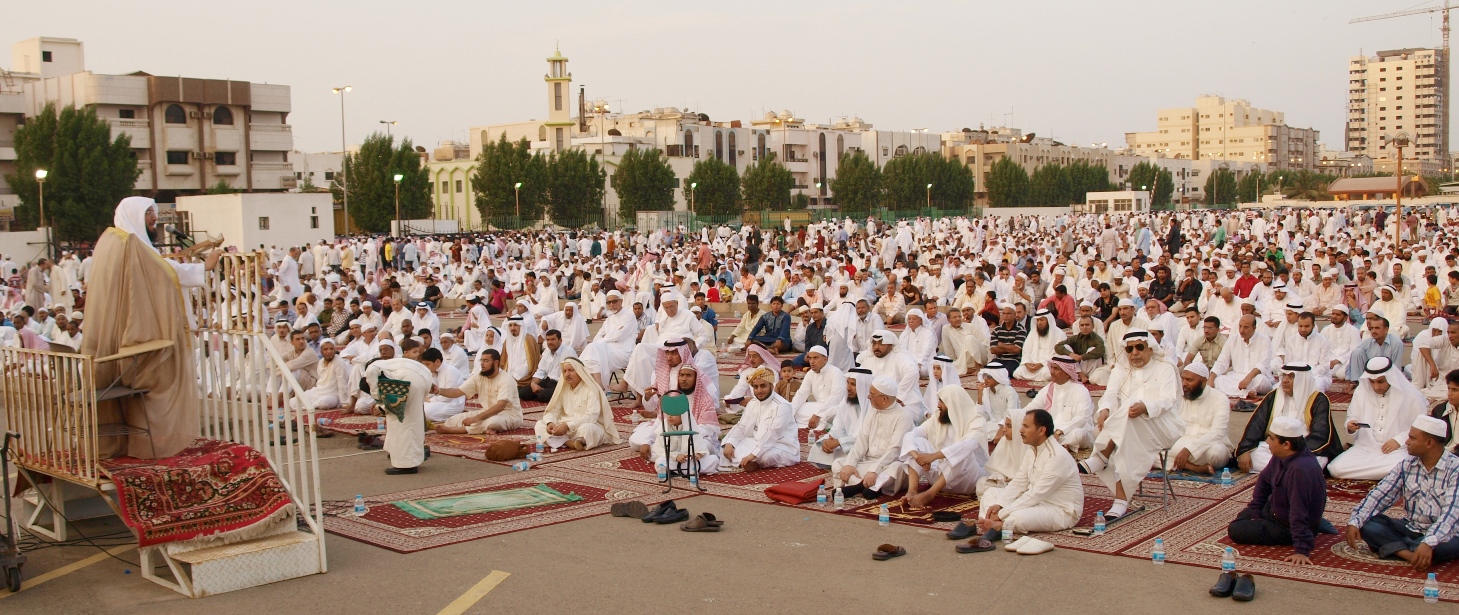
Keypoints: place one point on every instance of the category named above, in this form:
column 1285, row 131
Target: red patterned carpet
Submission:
column 209, row 488
column 388, row 527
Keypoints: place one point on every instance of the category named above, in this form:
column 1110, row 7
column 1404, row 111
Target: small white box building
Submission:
column 1124, row 201
column 248, row 220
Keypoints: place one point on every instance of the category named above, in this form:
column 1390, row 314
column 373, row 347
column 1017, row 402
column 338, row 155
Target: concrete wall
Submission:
column 22, row 246
column 293, row 219
column 1009, row 212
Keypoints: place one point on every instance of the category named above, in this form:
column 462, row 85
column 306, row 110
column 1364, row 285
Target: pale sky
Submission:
column 1081, row 72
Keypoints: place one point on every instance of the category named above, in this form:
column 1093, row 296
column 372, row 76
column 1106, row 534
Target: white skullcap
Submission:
column 448, row 336
column 76, row 315
column 1086, row 304
column 1339, row 307
column 820, row 350
column 885, row 385
column 1432, row 426
column 1198, row 368
column 370, row 326
column 1330, row 273
column 1005, row 305
column 1287, row 427
column 614, row 293
column 695, row 309
column 884, row 336
column 327, row 340
column 1126, row 302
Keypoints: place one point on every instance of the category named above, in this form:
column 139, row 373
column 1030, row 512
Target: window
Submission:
column 732, row 148
column 222, row 117
column 557, row 95
column 175, row 115
column 329, row 176
column 459, row 186
column 127, row 114
column 45, row 56
column 263, row 223
column 298, row 175
column 225, row 158
column 177, row 157
column 559, row 138
column 313, row 221
column 445, row 186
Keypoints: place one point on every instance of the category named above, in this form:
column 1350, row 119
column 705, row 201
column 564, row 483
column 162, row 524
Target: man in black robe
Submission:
column 1297, row 397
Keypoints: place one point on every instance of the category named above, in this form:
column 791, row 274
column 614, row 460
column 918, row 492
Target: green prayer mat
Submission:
column 485, row 502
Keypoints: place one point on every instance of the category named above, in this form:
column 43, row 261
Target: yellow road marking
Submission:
column 477, row 592
column 69, row 568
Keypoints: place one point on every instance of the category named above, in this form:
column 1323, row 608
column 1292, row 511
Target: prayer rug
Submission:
column 207, row 489
column 349, row 423
column 729, row 482
column 387, row 526
column 485, row 502
column 1201, row 541
column 1154, row 521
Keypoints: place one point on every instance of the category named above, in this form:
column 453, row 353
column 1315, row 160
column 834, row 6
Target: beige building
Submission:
column 1230, row 130
column 187, row 133
column 1402, row 90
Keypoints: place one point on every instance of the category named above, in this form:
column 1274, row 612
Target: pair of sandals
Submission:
column 1239, row 587
column 1027, row 545
column 664, row 513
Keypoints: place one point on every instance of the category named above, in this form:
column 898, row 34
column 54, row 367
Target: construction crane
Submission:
column 1443, row 67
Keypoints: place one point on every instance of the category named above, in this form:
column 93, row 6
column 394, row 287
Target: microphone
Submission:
column 182, row 238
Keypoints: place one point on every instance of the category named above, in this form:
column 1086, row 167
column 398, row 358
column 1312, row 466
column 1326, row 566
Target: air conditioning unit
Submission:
column 199, row 155
column 207, row 115
column 194, row 114
column 208, row 155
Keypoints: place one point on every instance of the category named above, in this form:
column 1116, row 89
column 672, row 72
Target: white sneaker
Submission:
column 1034, row 546
column 1014, row 546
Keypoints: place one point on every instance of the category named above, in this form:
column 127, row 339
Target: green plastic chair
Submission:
column 678, row 405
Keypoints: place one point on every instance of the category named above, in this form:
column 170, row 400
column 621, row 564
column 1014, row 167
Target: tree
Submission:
column 1247, row 187
column 88, row 171
column 1008, row 184
column 718, row 188
column 221, row 187
column 500, row 167
column 1155, row 179
column 370, row 174
column 1085, row 178
column 1304, row 185
column 767, row 185
column 575, row 188
column 644, row 182
column 905, row 180
column 800, row 202
column 858, row 183
column 1221, row 187
column 1050, row 187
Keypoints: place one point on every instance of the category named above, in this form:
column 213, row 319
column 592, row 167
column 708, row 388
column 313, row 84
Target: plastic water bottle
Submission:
column 840, row 499
column 534, row 457
column 1006, row 534
column 522, row 466
column 821, row 496
column 884, row 516
column 539, row 447
column 694, row 480
column 1157, row 555
column 359, row 504
column 1099, row 523
column 1225, row 478
column 380, row 424
column 1431, row 589
column 663, row 471
column 1228, row 560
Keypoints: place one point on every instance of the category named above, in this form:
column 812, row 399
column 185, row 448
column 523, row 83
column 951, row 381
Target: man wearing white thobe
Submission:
column 404, row 436
column 495, row 392
column 766, row 436
column 288, row 278
column 1205, row 446
column 439, row 408
column 332, row 382
column 822, row 390
column 1068, row 402
column 1241, row 368
column 966, row 342
column 1379, row 417
column 886, row 358
column 873, row 466
column 836, row 433
column 1044, row 494
column 949, row 449
column 919, row 341
column 611, row 347
column 1303, row 344
column 1342, row 337
column 1039, row 348
column 1137, row 418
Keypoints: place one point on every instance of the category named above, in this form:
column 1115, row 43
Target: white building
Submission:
column 1124, row 201
column 315, row 168
column 250, row 220
column 1228, row 130
column 187, row 134
column 1401, row 90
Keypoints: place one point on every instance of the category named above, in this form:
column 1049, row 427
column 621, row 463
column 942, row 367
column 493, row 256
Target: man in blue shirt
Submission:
column 1428, row 483
column 1390, row 346
column 773, row 329
column 1286, row 506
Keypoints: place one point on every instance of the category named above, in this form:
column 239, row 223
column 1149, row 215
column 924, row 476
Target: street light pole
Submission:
column 344, row 155
column 40, row 180
column 929, row 196
column 398, row 230
column 388, row 124
column 1399, row 141
column 693, row 188
column 518, row 189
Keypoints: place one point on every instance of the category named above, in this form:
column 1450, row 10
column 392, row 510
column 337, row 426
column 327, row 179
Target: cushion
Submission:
column 794, row 492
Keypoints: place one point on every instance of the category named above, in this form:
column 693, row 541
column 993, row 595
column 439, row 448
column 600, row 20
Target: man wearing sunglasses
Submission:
column 1137, row 418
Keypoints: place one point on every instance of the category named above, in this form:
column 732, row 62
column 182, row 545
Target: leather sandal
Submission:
column 888, row 551
column 977, row 545
column 634, row 509
column 961, row 532
column 699, row 524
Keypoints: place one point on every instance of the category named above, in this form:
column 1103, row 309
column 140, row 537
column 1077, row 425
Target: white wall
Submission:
column 236, row 218
column 1009, row 212
column 22, row 246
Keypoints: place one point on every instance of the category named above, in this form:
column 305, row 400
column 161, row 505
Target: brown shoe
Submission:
column 752, row 466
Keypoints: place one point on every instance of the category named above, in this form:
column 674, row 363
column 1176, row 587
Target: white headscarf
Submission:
column 934, row 385
column 1302, row 387
column 131, row 216
column 965, row 417
column 1405, row 402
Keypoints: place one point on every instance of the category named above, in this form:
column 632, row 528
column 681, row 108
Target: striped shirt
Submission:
column 1430, row 498
column 1015, row 336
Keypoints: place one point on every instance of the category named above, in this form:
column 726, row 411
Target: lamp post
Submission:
column 693, row 188
column 40, row 180
column 518, row 189
column 388, row 124
column 344, row 184
column 929, row 196
column 398, row 230
column 1399, row 141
